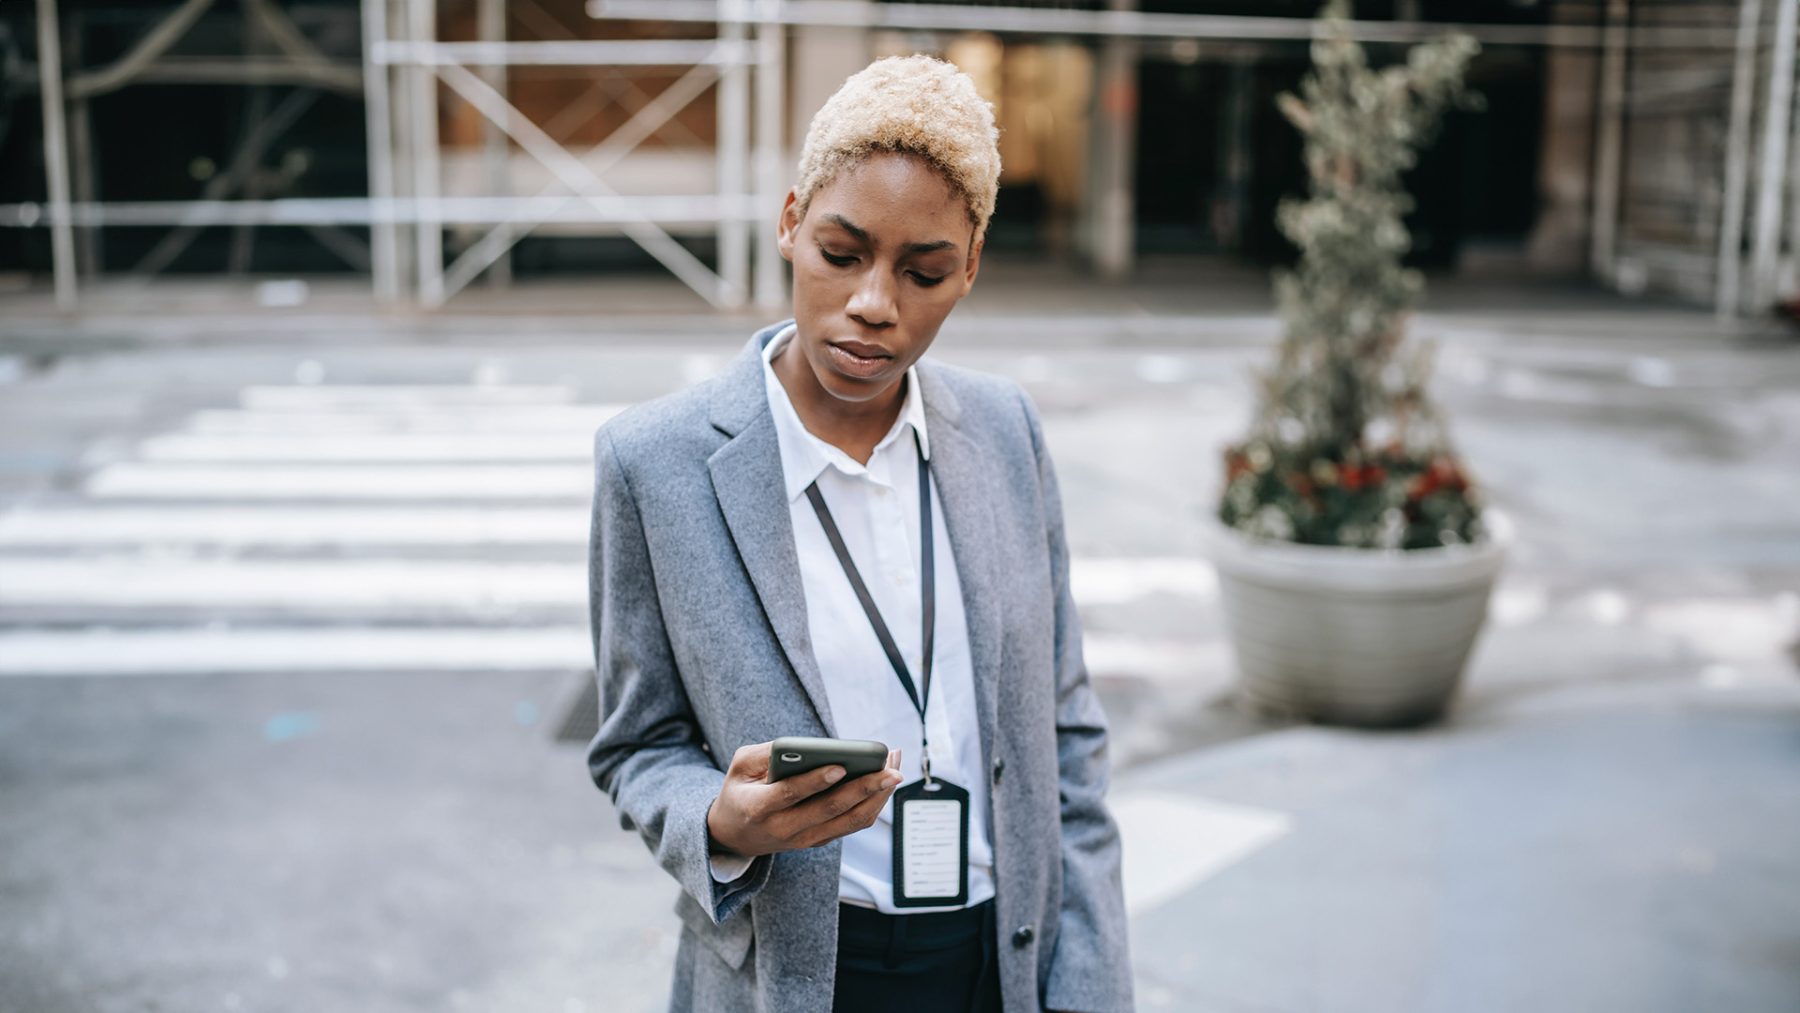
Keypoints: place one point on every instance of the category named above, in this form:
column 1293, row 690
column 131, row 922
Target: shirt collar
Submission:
column 803, row 455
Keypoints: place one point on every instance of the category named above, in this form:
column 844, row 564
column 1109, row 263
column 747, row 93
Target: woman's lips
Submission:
column 853, row 364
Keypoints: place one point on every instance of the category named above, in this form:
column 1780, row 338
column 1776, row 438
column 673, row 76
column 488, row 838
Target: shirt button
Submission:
column 1024, row 936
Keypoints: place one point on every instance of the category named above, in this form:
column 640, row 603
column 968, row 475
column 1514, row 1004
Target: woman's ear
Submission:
column 973, row 267
column 787, row 227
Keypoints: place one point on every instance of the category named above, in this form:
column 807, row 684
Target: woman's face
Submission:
column 883, row 254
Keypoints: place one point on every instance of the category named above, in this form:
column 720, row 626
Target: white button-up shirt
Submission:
column 876, row 508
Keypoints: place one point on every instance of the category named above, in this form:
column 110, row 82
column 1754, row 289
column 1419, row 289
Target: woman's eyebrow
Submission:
column 942, row 244
column 910, row 248
column 848, row 226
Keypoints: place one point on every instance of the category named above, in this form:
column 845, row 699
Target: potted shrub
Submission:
column 1354, row 553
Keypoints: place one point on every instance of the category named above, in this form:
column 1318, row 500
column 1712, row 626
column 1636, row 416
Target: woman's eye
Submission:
column 832, row 258
column 927, row 280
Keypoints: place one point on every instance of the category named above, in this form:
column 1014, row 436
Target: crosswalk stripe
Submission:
column 326, row 396
column 155, row 580
column 397, row 481
column 1108, row 581
column 503, row 418
column 1154, row 659
column 207, row 648
column 290, row 527
column 361, row 447
column 197, row 651
column 289, row 583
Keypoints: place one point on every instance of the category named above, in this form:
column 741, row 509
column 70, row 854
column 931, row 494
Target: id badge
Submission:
column 931, row 845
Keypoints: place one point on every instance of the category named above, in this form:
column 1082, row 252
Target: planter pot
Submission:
column 1365, row 637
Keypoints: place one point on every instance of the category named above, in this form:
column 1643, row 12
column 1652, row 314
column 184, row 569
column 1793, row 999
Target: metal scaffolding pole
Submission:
column 56, row 153
column 378, row 111
column 1771, row 179
column 1131, row 23
column 496, row 154
column 82, row 162
column 1603, row 232
column 733, row 120
column 243, row 237
column 771, row 147
column 595, row 205
column 1737, row 162
column 404, row 208
column 428, row 237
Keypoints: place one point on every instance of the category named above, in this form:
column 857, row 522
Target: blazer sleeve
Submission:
column 648, row 754
column 1090, row 969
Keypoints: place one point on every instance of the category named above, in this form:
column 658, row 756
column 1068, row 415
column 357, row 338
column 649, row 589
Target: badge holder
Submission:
column 931, row 844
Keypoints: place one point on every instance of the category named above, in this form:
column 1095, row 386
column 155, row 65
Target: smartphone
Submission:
column 792, row 755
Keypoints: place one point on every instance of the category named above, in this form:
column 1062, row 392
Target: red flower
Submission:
column 1445, row 473
column 1356, row 476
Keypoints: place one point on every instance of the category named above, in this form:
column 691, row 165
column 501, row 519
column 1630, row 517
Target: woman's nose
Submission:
column 873, row 300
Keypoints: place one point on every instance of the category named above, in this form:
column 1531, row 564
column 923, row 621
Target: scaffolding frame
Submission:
column 722, row 64
column 404, row 64
column 65, row 95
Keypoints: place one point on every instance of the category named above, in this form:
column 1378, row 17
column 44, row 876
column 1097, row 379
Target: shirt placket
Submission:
column 898, row 571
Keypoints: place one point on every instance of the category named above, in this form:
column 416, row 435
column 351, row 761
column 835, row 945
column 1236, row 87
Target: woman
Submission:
column 835, row 538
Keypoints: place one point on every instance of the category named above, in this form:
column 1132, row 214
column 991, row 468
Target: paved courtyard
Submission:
column 292, row 615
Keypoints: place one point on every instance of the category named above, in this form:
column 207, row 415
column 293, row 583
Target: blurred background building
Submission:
column 1642, row 145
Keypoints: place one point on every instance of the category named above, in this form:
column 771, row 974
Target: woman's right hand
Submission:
column 752, row 817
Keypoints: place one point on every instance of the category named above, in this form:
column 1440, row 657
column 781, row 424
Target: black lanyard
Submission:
column 927, row 594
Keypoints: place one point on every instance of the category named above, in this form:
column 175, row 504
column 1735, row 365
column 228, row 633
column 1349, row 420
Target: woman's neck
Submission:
column 854, row 427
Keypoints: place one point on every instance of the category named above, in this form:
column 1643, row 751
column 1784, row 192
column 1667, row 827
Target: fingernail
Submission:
column 834, row 775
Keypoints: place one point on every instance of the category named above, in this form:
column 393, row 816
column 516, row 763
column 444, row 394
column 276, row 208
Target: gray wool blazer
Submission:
column 701, row 646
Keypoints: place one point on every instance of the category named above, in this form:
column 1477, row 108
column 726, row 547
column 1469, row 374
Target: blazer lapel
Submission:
column 747, row 479
column 958, row 467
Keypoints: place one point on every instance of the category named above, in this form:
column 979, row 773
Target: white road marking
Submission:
column 1172, row 843
column 298, row 584
column 205, row 651
column 358, row 396
column 164, row 578
column 1152, row 658
column 288, row 527
column 583, row 418
column 359, row 447
column 399, row 481
column 1106, row 581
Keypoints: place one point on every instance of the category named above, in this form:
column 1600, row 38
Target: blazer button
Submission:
column 1023, row 937
column 999, row 768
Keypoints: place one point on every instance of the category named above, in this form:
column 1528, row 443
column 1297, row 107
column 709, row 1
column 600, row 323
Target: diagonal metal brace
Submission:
column 577, row 176
column 603, row 156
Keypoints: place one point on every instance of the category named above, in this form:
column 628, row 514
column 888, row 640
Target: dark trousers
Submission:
column 938, row 961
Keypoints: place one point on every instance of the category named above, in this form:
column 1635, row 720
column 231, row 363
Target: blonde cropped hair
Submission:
column 914, row 105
